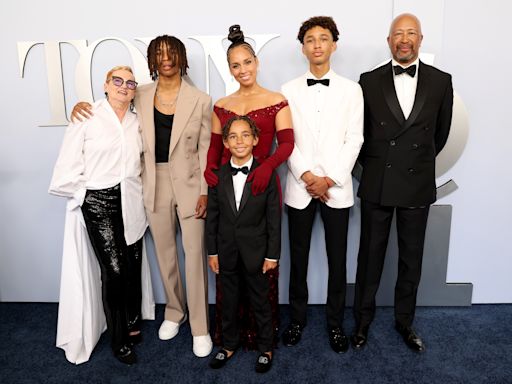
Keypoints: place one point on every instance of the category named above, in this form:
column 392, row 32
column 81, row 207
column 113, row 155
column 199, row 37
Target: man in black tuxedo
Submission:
column 243, row 240
column 408, row 111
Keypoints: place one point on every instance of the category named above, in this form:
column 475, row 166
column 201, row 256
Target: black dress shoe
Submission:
column 264, row 363
column 411, row 339
column 135, row 339
column 292, row 334
column 360, row 337
column 126, row 355
column 220, row 359
column 338, row 340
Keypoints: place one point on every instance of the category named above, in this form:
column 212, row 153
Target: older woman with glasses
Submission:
column 99, row 167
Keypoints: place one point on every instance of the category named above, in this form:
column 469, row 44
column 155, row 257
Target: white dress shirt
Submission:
column 317, row 93
column 100, row 153
column 239, row 180
column 405, row 87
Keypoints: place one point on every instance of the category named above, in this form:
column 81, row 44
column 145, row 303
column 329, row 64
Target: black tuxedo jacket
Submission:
column 253, row 232
column 398, row 155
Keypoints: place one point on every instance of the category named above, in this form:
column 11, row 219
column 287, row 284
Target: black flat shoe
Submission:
column 135, row 339
column 411, row 339
column 220, row 359
column 338, row 340
column 264, row 363
column 292, row 334
column 360, row 337
column 126, row 355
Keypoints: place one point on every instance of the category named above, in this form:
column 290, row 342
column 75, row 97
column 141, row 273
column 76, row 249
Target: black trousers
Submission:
column 257, row 287
column 300, row 224
column 411, row 224
column 120, row 263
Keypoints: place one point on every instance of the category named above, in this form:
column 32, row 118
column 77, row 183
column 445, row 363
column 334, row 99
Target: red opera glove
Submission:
column 213, row 159
column 260, row 177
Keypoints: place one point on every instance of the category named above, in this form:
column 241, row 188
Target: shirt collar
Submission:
column 328, row 75
column 415, row 62
column 248, row 164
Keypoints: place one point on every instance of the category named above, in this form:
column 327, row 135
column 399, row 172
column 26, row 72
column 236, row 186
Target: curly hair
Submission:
column 326, row 22
column 175, row 51
column 254, row 128
column 236, row 36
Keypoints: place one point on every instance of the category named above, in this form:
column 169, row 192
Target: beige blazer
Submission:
column 190, row 138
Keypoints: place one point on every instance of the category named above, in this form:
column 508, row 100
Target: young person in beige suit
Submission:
column 174, row 120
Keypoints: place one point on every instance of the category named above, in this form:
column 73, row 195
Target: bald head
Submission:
column 405, row 38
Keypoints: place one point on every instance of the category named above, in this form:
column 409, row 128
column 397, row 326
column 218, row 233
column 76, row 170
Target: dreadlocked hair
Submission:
column 236, row 36
column 175, row 51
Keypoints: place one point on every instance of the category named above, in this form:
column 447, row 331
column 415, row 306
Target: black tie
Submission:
column 315, row 81
column 244, row 170
column 411, row 70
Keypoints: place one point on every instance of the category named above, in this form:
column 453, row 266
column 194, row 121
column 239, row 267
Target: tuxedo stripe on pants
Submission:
column 162, row 223
column 375, row 228
column 300, row 223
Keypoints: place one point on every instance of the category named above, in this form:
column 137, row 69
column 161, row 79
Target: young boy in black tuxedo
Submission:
column 243, row 240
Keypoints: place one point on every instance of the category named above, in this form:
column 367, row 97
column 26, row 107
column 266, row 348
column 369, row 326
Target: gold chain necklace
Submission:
column 166, row 104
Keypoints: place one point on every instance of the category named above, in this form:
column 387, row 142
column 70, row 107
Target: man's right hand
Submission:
column 81, row 111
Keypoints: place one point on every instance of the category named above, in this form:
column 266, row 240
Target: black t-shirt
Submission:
column 163, row 128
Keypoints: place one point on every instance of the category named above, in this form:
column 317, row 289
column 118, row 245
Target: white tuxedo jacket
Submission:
column 333, row 151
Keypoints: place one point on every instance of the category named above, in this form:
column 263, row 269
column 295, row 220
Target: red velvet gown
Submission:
column 265, row 120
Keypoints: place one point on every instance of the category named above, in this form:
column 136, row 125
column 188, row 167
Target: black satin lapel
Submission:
column 421, row 94
column 422, row 90
column 388, row 87
column 227, row 179
column 245, row 196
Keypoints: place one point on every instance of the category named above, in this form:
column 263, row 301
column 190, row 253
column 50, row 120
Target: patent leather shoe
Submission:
column 338, row 340
column 292, row 334
column 360, row 337
column 411, row 339
column 126, row 355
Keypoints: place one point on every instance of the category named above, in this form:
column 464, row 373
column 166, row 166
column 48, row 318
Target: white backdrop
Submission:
column 462, row 35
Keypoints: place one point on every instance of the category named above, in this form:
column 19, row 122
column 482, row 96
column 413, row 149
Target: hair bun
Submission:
column 235, row 34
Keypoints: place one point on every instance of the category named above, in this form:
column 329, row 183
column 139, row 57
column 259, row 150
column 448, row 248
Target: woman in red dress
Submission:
column 272, row 115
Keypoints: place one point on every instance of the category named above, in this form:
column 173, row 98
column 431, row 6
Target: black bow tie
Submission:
column 244, row 170
column 321, row 81
column 411, row 70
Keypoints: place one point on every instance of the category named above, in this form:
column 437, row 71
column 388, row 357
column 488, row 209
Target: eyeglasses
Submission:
column 118, row 82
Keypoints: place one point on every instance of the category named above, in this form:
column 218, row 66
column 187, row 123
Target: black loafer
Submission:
column 338, row 340
column 292, row 334
column 126, row 355
column 220, row 359
column 264, row 363
column 360, row 337
column 411, row 339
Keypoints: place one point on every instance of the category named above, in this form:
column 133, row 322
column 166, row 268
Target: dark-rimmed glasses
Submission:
column 118, row 82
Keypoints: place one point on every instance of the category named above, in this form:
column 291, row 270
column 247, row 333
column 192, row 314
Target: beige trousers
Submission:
column 162, row 223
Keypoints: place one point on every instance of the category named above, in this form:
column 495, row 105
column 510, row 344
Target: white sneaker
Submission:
column 202, row 345
column 168, row 330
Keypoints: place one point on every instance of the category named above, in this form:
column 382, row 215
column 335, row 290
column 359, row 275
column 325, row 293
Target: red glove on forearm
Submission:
column 213, row 159
column 260, row 177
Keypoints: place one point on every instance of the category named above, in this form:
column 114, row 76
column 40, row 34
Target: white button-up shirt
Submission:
column 239, row 181
column 100, row 153
column 405, row 87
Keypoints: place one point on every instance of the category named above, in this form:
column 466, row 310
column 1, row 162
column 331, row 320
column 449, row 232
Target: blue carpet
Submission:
column 464, row 345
